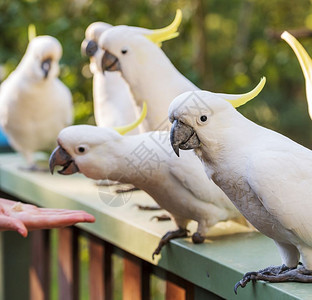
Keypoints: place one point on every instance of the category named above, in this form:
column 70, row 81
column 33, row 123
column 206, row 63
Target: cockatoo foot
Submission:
column 277, row 274
column 34, row 168
column 161, row 218
column 197, row 238
column 181, row 232
column 148, row 207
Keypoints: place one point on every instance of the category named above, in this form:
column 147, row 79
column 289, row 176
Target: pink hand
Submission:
column 24, row 217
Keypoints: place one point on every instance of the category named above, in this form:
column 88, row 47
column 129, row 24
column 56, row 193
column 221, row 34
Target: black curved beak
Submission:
column 183, row 137
column 46, row 66
column 110, row 62
column 88, row 48
column 60, row 157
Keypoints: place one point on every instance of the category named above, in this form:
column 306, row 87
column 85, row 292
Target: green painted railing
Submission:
column 206, row 271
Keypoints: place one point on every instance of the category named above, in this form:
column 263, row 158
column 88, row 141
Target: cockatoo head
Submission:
column 89, row 149
column 197, row 115
column 86, row 149
column 42, row 56
column 93, row 32
column 128, row 49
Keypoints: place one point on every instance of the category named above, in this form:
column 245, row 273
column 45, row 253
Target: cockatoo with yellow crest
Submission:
column 178, row 185
column 112, row 98
column 266, row 175
column 34, row 104
column 148, row 71
column 151, row 76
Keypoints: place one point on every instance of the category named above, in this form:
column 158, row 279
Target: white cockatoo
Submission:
column 34, row 104
column 112, row 99
column 266, row 175
column 305, row 63
column 148, row 71
column 147, row 161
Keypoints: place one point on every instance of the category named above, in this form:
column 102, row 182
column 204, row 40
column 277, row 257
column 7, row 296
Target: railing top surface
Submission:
column 225, row 258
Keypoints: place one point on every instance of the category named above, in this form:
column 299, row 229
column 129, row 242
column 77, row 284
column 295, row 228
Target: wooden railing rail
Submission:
column 187, row 271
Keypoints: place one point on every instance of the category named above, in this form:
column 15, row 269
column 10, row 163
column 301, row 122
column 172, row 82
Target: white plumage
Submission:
column 147, row 161
column 34, row 104
column 148, row 71
column 150, row 74
column 266, row 175
column 112, row 98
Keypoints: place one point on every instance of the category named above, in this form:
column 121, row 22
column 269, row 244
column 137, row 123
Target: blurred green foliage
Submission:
column 224, row 46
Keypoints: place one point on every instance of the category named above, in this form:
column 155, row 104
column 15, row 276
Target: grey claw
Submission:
column 156, row 252
column 237, row 285
column 242, row 283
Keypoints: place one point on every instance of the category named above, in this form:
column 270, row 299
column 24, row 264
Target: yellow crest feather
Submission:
column 31, row 32
column 305, row 63
column 301, row 53
column 169, row 32
column 240, row 100
column 125, row 129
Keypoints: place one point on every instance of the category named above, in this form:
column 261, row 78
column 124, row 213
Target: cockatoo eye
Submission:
column 203, row 118
column 124, row 50
column 81, row 149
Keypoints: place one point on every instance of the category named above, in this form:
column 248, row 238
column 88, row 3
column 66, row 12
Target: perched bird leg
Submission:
column 161, row 218
column 299, row 274
column 181, row 232
column 277, row 274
